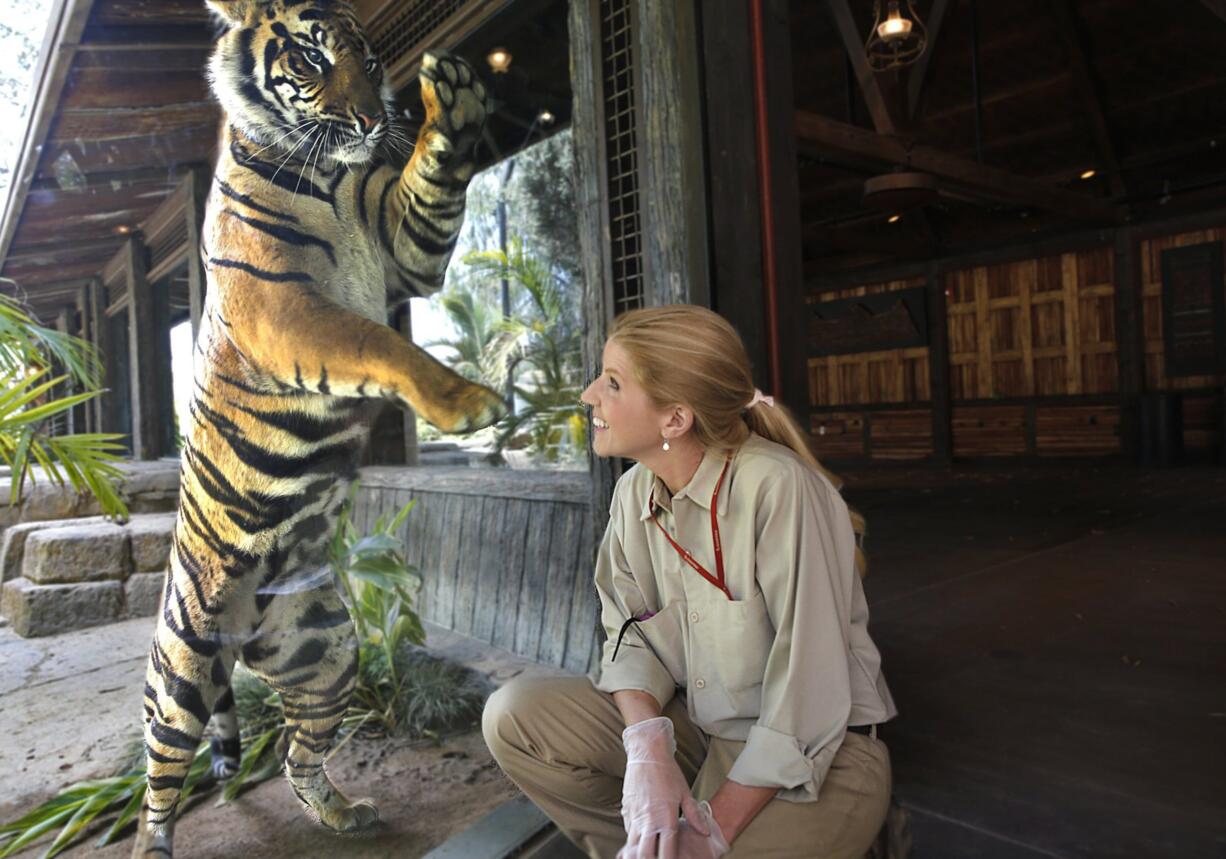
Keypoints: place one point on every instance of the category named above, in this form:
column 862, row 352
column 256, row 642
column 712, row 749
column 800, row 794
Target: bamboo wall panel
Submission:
column 1151, row 296
column 1033, row 328
column 1202, row 422
column 983, row 431
column 901, row 434
column 507, row 564
column 1077, row 430
column 891, row 376
column 838, row 435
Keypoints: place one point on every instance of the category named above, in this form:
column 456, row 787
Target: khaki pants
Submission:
column 559, row 739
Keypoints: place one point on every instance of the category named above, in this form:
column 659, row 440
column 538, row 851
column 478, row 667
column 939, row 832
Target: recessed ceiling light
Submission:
column 1088, row 174
column 893, row 219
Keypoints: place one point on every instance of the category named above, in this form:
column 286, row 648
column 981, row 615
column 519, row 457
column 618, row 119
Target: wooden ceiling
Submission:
column 1012, row 101
column 1135, row 92
column 122, row 111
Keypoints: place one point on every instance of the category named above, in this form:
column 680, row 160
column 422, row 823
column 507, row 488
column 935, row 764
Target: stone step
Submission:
column 59, row 573
column 90, row 549
column 77, row 553
column 34, row 610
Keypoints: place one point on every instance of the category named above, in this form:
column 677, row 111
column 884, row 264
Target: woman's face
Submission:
column 624, row 422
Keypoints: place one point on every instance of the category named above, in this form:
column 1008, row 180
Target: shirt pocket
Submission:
column 664, row 637
column 730, row 642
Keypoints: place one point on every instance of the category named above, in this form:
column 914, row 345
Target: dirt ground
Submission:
column 425, row 792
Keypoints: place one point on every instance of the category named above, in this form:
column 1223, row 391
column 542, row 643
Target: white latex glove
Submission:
column 692, row 844
column 654, row 790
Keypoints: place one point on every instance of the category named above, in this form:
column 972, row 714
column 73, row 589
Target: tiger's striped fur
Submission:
column 310, row 212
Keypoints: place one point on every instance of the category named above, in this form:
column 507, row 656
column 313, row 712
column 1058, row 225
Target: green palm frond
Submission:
column 32, row 402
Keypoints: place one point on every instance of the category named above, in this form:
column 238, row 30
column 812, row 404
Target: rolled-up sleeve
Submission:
column 636, row 666
column 805, row 556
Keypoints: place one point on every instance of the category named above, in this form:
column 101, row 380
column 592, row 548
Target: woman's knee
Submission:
column 519, row 702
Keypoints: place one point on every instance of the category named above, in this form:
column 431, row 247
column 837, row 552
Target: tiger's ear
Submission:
column 232, row 12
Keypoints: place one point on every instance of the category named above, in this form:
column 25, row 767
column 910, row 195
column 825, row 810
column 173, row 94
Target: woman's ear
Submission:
column 680, row 419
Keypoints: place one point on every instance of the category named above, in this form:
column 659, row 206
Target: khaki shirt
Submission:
column 787, row 664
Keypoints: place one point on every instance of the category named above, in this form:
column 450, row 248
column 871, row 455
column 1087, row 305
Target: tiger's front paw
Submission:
column 457, row 103
column 466, row 409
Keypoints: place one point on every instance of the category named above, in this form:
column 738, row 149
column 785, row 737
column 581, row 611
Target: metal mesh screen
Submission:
column 617, row 73
column 410, row 26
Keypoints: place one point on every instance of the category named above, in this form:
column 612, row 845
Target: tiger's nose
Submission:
column 367, row 123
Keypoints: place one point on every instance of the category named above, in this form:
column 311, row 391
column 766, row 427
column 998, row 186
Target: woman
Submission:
column 734, row 711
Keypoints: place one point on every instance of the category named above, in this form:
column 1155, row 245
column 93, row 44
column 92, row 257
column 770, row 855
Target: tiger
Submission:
column 315, row 207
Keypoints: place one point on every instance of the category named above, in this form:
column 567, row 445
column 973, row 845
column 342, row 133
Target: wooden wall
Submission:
column 504, row 556
column 891, row 378
column 1032, row 362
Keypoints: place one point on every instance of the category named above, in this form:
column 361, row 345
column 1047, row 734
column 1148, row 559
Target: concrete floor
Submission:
column 1055, row 638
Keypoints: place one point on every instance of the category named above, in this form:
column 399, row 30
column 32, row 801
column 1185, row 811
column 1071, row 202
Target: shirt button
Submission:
column 700, row 683
column 693, row 617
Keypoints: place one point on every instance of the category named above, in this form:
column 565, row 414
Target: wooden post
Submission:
column 64, row 423
column 736, row 240
column 738, row 286
column 587, row 131
column 404, row 324
column 84, row 412
column 1129, row 338
column 785, row 193
column 673, row 187
column 197, row 194
column 938, row 368
column 145, row 336
column 95, row 304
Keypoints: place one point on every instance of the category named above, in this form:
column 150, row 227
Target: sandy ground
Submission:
column 425, row 794
column 70, row 710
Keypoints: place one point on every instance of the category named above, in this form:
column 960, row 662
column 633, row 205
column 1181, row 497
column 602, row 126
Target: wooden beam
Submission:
column 854, row 45
column 1089, row 90
column 1217, row 7
column 828, row 137
column 918, row 75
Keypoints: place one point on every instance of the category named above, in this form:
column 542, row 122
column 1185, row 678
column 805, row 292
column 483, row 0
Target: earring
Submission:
column 666, row 444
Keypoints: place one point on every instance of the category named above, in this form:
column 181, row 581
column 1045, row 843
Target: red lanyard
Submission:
column 718, row 578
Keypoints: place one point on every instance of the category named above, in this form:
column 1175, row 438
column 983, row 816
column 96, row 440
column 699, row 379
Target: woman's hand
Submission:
column 653, row 791
column 692, row 844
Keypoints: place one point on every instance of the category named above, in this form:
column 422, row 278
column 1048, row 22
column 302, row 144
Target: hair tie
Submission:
column 759, row 397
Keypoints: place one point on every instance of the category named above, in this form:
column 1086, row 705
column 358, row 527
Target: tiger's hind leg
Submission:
column 224, row 744
column 185, row 679
column 307, row 651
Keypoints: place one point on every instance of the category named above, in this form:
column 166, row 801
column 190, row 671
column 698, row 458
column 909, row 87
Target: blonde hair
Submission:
column 682, row 353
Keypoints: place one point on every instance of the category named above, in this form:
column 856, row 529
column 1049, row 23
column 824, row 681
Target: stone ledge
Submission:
column 77, row 553
column 143, row 594
column 13, row 548
column 36, row 610
column 150, row 536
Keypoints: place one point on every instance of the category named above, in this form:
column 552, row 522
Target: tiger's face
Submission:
column 301, row 77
